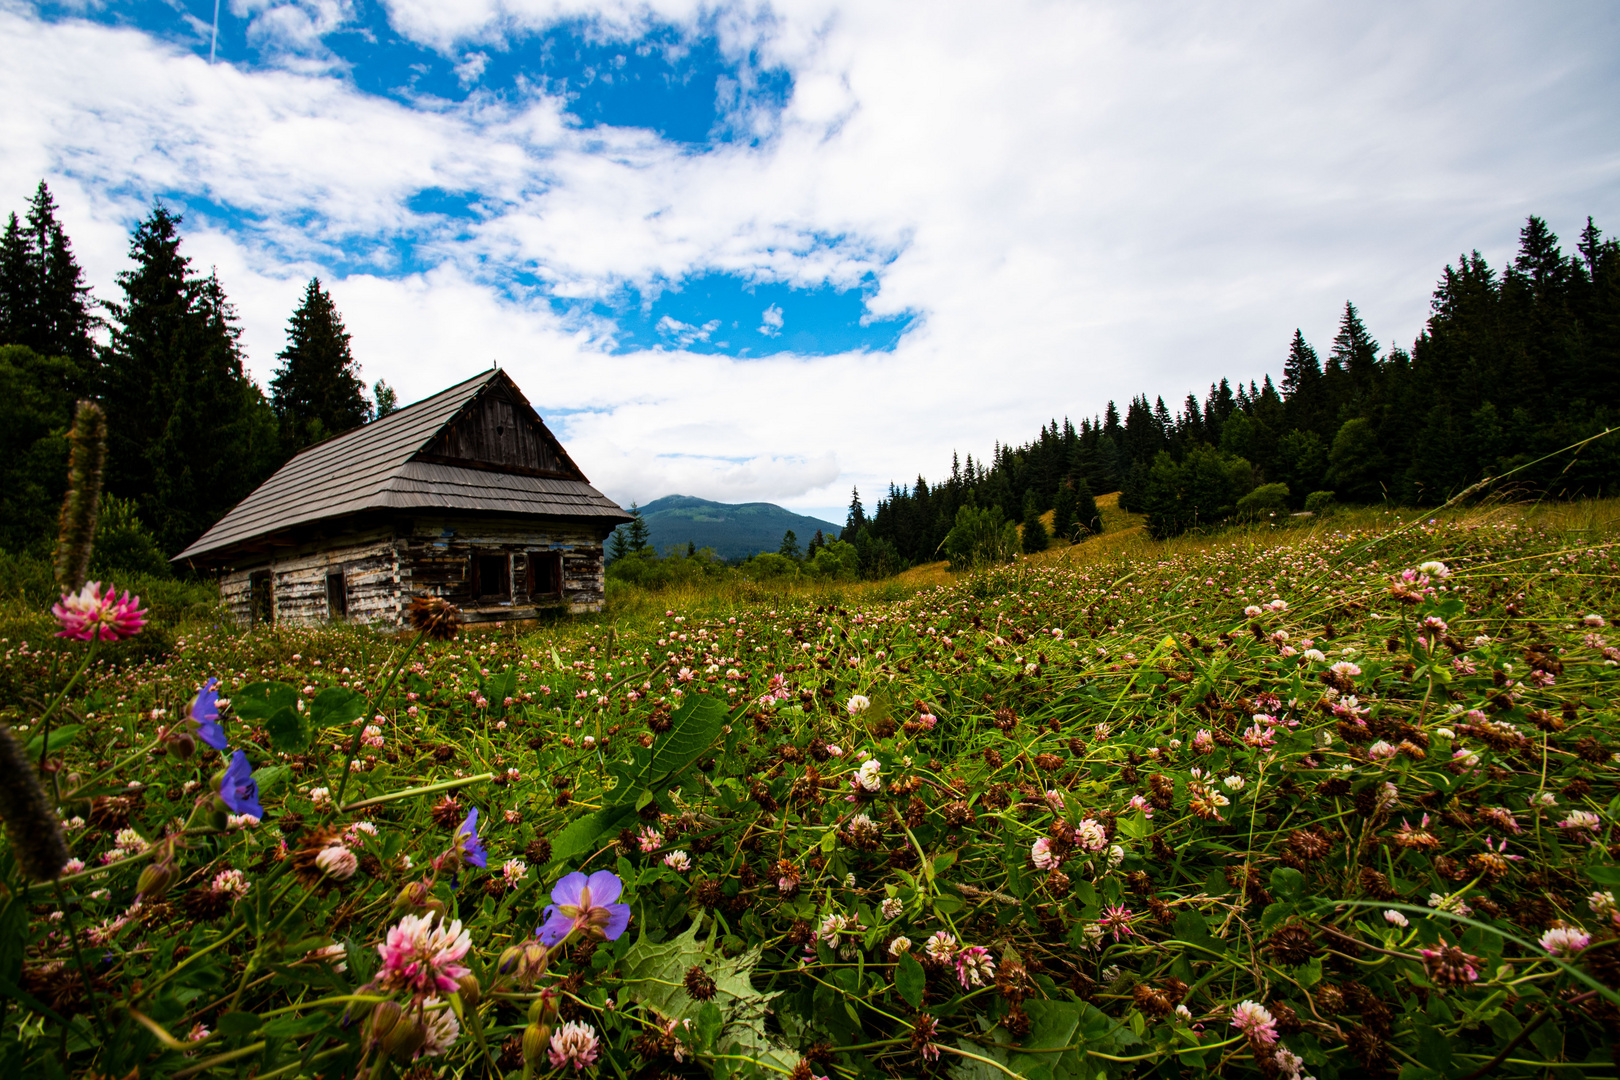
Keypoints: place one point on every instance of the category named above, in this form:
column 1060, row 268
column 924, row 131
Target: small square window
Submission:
column 545, row 574
column 491, row 577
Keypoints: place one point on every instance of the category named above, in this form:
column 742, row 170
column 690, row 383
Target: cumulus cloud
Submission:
column 770, row 321
column 1081, row 201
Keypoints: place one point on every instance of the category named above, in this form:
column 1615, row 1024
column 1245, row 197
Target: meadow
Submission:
column 1325, row 797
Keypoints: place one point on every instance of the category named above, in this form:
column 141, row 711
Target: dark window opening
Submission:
column 490, row 580
column 261, row 599
column 337, row 595
column 545, row 574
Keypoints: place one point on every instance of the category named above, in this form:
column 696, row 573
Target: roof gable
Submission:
column 390, row 464
column 498, row 429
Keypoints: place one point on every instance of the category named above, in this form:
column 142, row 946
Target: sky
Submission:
column 773, row 251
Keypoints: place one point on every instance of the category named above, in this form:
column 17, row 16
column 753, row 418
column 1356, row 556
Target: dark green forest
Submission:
column 190, row 433
column 1511, row 366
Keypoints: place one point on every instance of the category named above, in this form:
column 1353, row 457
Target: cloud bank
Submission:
column 1075, row 202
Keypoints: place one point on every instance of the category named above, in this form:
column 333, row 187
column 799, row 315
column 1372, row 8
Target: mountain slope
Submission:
column 733, row 530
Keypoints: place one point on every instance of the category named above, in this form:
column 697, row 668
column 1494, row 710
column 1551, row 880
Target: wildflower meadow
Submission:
column 1331, row 803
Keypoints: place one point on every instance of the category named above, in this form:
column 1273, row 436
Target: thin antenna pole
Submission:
column 214, row 41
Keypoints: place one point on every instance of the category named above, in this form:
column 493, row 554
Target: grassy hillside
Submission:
column 1334, row 797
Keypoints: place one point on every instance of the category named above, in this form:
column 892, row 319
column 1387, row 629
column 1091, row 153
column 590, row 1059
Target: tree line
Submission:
column 1510, row 367
column 189, row 431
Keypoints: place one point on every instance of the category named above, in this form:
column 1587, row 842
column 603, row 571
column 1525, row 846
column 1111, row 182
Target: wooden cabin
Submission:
column 465, row 495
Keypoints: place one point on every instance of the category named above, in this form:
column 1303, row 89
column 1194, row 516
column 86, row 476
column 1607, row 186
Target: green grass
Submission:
column 1270, row 891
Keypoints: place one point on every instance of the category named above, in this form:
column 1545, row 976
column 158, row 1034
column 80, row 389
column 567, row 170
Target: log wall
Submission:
column 384, row 568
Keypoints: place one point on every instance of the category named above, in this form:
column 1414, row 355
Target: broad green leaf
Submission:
column 60, row 738
column 262, row 700
column 238, row 1023
column 654, row 975
column 335, row 707
column 1604, row 875
column 289, row 731
column 1287, row 883
column 910, row 980
column 581, row 835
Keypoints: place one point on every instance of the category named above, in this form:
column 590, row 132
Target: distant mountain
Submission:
column 733, row 530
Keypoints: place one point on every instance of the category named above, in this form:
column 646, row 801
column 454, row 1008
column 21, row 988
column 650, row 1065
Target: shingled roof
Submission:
column 411, row 460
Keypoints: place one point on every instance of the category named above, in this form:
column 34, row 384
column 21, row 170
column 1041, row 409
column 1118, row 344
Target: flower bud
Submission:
column 404, row 1038
column 155, row 879
column 543, row 1010
column 536, row 1037
column 180, row 744
column 471, row 993
column 384, row 1016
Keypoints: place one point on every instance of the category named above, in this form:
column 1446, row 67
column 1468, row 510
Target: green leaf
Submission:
column 1287, row 883
column 269, row 777
column 1134, row 826
column 289, row 732
column 910, row 980
column 696, row 724
column 60, row 737
column 654, row 975
column 582, row 835
column 709, row 1022
column 238, row 1023
column 262, row 700
column 1604, row 875
column 335, row 707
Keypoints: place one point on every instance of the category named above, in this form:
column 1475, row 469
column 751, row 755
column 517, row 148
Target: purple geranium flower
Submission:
column 238, row 788
column 467, row 837
column 205, row 714
column 580, row 903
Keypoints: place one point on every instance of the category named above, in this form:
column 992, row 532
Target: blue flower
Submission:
column 238, row 789
column 467, row 840
column 205, row 714
column 588, row 905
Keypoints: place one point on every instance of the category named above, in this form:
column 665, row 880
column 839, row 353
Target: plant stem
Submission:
column 371, row 710
column 430, row 789
column 45, row 735
column 78, row 960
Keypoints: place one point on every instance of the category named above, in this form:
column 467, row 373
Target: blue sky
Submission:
column 753, row 250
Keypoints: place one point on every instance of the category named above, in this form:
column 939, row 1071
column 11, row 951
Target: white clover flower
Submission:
column 1116, row 855
column 1315, row 656
column 1395, row 918
column 870, row 775
column 337, row 862
column 891, row 908
column 1234, row 783
column 858, row 703
column 899, row 945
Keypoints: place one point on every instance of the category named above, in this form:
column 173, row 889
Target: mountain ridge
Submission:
column 731, row 530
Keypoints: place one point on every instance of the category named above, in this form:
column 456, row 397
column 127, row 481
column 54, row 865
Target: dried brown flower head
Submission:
column 447, row 812
column 1153, row 1002
column 1292, row 944
column 699, row 983
column 434, row 617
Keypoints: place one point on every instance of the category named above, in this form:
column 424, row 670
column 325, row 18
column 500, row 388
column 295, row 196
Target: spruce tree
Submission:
column 44, row 302
column 189, row 434
column 856, row 521
column 317, row 391
column 637, row 533
column 790, row 545
column 1086, row 514
column 1035, row 537
column 1063, row 512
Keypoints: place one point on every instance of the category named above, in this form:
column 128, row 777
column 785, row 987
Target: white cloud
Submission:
column 771, row 321
column 681, row 335
column 1082, row 201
